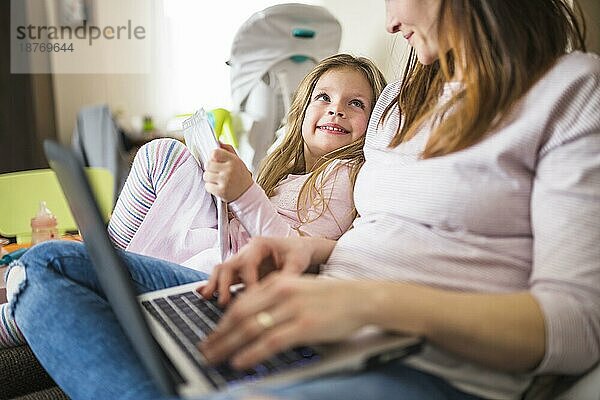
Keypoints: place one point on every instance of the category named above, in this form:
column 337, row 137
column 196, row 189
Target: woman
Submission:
column 478, row 204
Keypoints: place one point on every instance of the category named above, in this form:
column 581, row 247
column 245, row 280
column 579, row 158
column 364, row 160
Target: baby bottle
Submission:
column 43, row 225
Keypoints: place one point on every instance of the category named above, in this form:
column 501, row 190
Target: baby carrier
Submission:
column 270, row 54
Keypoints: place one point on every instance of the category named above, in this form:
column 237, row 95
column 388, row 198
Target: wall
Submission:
column 363, row 33
column 137, row 94
column 26, row 102
column 134, row 92
column 591, row 10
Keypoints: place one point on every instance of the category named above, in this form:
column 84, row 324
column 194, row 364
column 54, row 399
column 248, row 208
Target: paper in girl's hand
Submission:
column 200, row 137
column 201, row 140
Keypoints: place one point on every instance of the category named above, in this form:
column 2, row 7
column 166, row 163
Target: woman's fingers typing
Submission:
column 280, row 311
column 242, row 267
column 241, row 325
column 284, row 311
column 271, row 342
column 258, row 258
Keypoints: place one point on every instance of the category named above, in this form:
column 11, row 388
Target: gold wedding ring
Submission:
column 265, row 320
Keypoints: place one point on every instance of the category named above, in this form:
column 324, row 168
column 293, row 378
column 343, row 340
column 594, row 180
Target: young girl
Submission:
column 303, row 188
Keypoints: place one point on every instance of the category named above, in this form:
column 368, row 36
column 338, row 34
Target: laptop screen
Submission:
column 112, row 274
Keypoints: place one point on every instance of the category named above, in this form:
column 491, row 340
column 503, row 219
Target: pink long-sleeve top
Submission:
column 257, row 215
column 180, row 224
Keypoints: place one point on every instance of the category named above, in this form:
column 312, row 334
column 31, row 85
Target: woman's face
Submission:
column 417, row 21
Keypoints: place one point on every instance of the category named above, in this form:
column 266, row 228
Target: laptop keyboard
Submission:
column 189, row 318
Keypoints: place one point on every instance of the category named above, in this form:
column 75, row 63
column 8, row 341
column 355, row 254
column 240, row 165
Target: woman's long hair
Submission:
column 288, row 157
column 501, row 47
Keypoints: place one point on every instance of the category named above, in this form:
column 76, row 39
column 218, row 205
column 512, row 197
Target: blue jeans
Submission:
column 68, row 323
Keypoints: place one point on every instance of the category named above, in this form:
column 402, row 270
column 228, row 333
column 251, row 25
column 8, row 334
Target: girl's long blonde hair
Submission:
column 502, row 48
column 288, row 157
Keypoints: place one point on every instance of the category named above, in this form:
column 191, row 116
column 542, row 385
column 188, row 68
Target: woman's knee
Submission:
column 45, row 253
column 31, row 270
column 41, row 258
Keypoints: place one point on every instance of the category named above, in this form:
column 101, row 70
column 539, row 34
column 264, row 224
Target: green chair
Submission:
column 223, row 126
column 22, row 192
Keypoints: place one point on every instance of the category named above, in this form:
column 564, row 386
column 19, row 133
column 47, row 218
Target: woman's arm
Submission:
column 500, row 331
column 503, row 331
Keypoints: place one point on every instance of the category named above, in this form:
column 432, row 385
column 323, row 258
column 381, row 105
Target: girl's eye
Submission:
column 322, row 96
column 358, row 103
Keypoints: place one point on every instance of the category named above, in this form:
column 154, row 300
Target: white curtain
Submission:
column 192, row 42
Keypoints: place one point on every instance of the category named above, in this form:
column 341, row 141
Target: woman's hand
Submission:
column 283, row 311
column 263, row 255
column 226, row 175
column 504, row 331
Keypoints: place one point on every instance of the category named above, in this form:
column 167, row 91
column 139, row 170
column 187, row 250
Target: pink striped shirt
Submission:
column 518, row 211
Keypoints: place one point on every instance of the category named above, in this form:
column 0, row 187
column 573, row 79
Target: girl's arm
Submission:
column 226, row 175
column 503, row 331
column 260, row 217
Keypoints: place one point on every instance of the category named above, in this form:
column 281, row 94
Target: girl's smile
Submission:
column 337, row 114
column 333, row 129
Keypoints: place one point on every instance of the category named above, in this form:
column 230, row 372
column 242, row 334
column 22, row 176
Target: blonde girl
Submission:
column 303, row 188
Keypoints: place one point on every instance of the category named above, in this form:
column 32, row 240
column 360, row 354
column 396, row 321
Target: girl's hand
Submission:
column 262, row 256
column 284, row 311
column 226, row 175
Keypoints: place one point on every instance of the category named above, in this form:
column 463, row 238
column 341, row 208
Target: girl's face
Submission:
column 417, row 21
column 337, row 114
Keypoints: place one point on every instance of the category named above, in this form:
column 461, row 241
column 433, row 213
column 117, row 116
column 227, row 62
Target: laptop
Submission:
column 164, row 326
